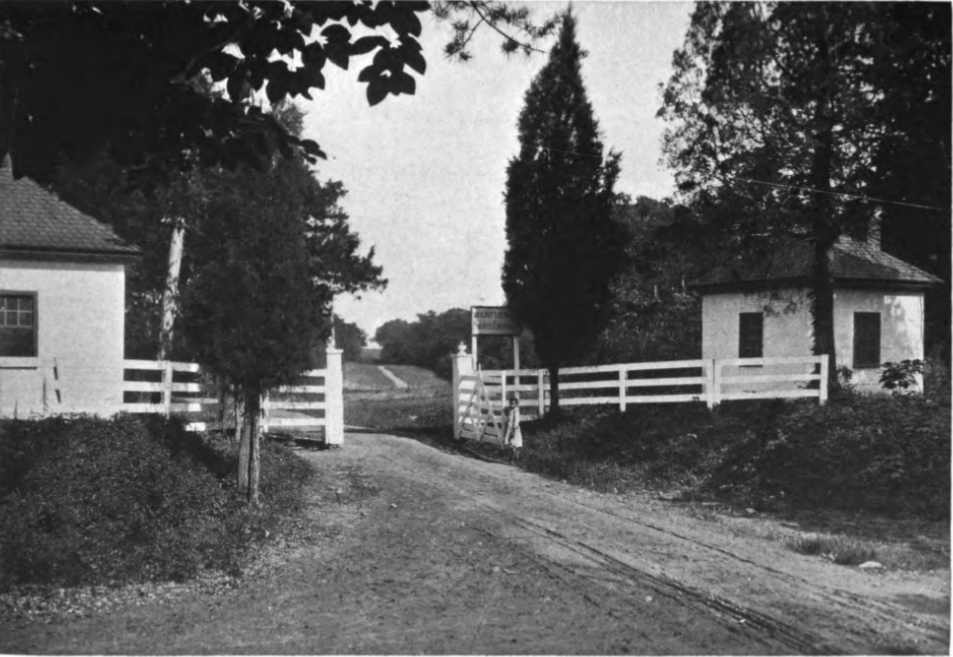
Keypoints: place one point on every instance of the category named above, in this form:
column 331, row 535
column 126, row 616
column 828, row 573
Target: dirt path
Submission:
column 398, row 383
column 416, row 550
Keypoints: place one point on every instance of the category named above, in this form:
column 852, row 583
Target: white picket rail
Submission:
column 480, row 395
column 180, row 397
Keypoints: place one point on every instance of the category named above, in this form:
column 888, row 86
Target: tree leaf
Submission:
column 403, row 83
column 415, row 60
column 376, row 91
column 367, row 44
column 369, row 73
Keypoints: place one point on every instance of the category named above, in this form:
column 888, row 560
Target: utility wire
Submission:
column 820, row 191
column 770, row 184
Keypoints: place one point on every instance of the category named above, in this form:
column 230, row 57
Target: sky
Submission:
column 425, row 174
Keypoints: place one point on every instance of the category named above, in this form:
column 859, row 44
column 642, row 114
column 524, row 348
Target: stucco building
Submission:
column 763, row 310
column 62, row 305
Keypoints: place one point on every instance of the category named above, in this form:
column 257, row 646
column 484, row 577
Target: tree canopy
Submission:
column 782, row 117
column 80, row 76
column 563, row 247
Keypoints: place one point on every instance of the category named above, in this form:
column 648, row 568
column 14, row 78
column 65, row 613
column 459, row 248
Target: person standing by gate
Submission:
column 512, row 436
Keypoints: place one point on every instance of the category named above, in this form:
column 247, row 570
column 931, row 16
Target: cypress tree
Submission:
column 564, row 248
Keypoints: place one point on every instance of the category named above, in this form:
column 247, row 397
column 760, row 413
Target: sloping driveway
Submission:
column 413, row 550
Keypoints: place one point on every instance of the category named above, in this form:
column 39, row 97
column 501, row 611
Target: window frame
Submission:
column 743, row 343
column 34, row 328
column 859, row 350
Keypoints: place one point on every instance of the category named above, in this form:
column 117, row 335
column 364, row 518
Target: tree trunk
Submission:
column 554, row 390
column 249, row 459
column 242, row 428
column 822, row 306
column 238, row 408
column 823, row 226
column 170, row 296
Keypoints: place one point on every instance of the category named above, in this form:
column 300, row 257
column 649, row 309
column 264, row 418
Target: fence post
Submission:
column 622, row 389
column 710, row 384
column 716, row 382
column 167, row 388
column 540, row 392
column 265, row 412
column 825, row 364
column 462, row 365
column 334, row 397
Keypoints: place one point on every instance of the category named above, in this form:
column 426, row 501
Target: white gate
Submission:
column 478, row 414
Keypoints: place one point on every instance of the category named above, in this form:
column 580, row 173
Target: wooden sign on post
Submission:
column 494, row 320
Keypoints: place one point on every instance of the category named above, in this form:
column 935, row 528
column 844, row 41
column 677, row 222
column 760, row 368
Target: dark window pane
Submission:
column 17, row 337
column 751, row 335
column 17, row 342
column 866, row 340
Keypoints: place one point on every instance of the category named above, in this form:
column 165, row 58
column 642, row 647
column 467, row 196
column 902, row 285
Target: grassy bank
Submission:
column 881, row 455
column 111, row 502
column 885, row 455
column 422, row 412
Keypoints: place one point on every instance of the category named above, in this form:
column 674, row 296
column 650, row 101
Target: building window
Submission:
column 18, row 325
column 866, row 340
column 751, row 335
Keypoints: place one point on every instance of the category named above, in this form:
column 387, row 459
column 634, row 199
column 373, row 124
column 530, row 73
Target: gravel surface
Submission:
column 408, row 549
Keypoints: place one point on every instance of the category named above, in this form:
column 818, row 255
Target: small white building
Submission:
column 62, row 305
column 763, row 311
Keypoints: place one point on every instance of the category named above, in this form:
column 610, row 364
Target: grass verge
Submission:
column 839, row 549
column 112, row 502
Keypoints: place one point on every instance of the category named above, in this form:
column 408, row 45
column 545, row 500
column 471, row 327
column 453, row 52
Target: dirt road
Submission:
column 413, row 550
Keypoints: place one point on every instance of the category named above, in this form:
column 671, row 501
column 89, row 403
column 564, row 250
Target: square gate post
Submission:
column 334, row 397
column 462, row 366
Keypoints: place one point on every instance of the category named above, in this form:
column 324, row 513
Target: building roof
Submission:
column 36, row 222
column 853, row 262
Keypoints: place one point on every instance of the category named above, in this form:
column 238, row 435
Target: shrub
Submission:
column 117, row 501
column 841, row 550
column 901, row 376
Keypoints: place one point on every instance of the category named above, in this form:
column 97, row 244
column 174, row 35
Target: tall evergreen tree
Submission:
column 564, row 247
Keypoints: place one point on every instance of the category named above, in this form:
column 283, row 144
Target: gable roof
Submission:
column 36, row 222
column 852, row 262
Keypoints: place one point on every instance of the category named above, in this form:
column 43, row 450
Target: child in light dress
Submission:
column 512, row 436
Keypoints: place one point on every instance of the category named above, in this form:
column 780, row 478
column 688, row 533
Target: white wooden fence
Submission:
column 479, row 396
column 309, row 406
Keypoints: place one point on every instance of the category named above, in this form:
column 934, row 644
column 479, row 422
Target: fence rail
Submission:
column 322, row 407
column 480, row 395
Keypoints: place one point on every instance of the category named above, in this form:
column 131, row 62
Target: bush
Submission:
column 97, row 502
column 887, row 454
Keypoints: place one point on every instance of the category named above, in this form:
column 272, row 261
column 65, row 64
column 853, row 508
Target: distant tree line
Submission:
column 432, row 339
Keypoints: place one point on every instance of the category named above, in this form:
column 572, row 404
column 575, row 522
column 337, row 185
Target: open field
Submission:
column 365, row 377
column 418, row 377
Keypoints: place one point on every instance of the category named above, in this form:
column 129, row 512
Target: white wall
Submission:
column 788, row 332
column 80, row 322
column 901, row 330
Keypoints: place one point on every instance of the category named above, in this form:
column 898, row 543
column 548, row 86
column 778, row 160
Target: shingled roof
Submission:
column 852, row 262
column 34, row 221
